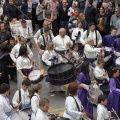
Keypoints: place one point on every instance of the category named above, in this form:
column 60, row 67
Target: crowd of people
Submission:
column 84, row 33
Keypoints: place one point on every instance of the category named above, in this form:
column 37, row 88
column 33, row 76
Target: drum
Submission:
column 117, row 62
column 35, row 76
column 20, row 116
column 61, row 74
column 93, row 95
column 27, row 110
column 113, row 118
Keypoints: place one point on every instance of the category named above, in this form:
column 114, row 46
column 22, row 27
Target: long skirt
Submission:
column 83, row 94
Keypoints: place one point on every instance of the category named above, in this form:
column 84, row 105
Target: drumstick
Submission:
column 88, row 113
column 116, row 114
column 32, row 75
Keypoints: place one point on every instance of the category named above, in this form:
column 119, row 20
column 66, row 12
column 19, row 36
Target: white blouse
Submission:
column 75, row 33
column 98, row 72
column 35, row 102
column 71, row 111
column 4, row 107
column 47, row 56
column 24, row 63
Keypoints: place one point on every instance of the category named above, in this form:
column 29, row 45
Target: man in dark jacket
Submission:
column 63, row 15
column 4, row 34
column 11, row 10
column 90, row 12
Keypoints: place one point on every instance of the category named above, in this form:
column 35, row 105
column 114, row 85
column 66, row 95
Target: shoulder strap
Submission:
column 43, row 40
column 96, row 37
column 19, row 96
column 36, row 96
column 87, row 33
column 41, row 31
column 76, row 103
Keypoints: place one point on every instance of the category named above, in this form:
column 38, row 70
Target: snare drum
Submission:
column 35, row 76
column 20, row 116
column 117, row 62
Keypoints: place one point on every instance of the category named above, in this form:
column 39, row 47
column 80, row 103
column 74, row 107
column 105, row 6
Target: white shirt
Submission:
column 102, row 112
column 77, row 56
column 60, row 43
column 98, row 72
column 40, row 115
column 25, row 97
column 15, row 52
column 35, row 102
column 4, row 107
column 38, row 34
column 75, row 33
column 34, row 105
column 71, row 108
column 42, row 38
column 25, row 32
column 91, row 51
column 92, row 35
column 23, row 63
column 70, row 11
column 50, row 55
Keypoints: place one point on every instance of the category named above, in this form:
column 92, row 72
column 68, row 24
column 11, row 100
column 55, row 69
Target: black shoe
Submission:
column 61, row 91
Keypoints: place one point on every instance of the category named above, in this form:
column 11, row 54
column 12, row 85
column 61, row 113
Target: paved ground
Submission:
column 57, row 100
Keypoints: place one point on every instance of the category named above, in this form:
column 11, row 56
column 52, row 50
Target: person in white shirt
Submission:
column 76, row 55
column 24, row 65
column 15, row 50
column 102, row 112
column 41, row 113
column 21, row 98
column 90, row 52
column 73, row 107
column 94, row 34
column 35, row 98
column 76, row 35
column 42, row 41
column 62, row 42
column 5, row 107
column 41, row 31
column 77, row 32
column 71, row 10
column 24, row 31
column 99, row 72
column 50, row 57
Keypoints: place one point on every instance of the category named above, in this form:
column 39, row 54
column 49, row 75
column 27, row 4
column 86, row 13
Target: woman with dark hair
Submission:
column 84, row 82
column 5, row 107
column 24, row 64
column 102, row 21
column 73, row 105
column 114, row 87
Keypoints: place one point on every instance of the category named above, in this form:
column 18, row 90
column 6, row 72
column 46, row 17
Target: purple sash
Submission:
column 26, row 71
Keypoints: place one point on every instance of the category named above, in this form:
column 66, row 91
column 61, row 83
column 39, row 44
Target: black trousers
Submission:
column 34, row 18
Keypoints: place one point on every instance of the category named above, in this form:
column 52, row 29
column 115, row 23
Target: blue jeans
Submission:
column 64, row 24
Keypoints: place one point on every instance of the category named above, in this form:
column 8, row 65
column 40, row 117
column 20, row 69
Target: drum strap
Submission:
column 44, row 40
column 19, row 97
column 76, row 103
